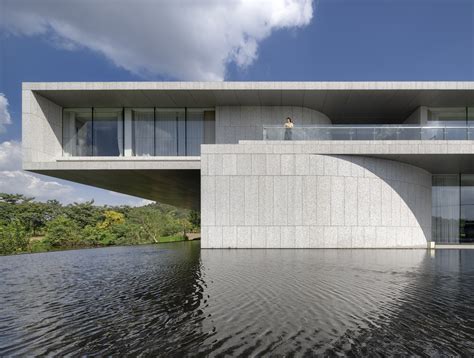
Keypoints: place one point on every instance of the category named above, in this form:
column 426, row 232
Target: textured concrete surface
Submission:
column 437, row 157
column 290, row 199
column 343, row 102
column 41, row 128
column 248, row 85
column 234, row 123
column 270, row 194
column 179, row 187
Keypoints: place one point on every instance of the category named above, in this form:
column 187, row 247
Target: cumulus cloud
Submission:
column 14, row 180
column 130, row 200
column 10, row 155
column 183, row 39
column 4, row 114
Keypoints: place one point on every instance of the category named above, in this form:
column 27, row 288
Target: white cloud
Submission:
column 143, row 202
column 4, row 114
column 13, row 180
column 10, row 155
column 18, row 181
column 192, row 40
column 130, row 200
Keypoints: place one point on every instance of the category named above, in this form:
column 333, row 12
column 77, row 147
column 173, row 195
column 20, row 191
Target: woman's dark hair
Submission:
column 289, row 119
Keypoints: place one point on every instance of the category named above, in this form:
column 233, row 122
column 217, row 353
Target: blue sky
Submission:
column 329, row 40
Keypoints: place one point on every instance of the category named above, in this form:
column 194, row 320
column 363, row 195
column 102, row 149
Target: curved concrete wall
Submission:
column 234, row 123
column 292, row 200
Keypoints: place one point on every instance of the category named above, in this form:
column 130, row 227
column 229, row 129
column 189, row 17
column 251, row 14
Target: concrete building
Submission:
column 367, row 165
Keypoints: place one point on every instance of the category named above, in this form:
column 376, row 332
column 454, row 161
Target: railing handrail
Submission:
column 368, row 126
column 368, row 132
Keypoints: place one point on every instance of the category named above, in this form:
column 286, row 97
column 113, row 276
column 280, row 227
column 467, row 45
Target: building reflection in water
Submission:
column 176, row 300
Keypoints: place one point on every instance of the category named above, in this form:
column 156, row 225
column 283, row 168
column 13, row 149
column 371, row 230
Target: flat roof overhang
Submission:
column 175, row 181
column 342, row 102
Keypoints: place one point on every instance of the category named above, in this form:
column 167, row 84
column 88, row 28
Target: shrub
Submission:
column 13, row 238
column 62, row 232
column 96, row 236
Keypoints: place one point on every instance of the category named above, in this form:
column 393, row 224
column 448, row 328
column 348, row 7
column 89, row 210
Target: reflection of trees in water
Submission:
column 159, row 311
column 176, row 297
column 433, row 317
column 123, row 300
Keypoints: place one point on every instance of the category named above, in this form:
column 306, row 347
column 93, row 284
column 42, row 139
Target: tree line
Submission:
column 27, row 225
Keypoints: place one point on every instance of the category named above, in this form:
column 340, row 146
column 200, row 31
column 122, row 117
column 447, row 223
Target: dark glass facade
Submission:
column 452, row 117
column 453, row 208
column 153, row 131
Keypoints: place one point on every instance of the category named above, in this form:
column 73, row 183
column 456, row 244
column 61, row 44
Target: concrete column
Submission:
column 128, row 133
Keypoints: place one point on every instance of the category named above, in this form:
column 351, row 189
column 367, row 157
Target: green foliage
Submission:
column 39, row 246
column 62, row 232
column 84, row 214
column 195, row 219
column 111, row 218
column 13, row 238
column 95, row 236
column 86, row 225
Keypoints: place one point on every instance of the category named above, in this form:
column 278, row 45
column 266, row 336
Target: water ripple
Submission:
column 174, row 300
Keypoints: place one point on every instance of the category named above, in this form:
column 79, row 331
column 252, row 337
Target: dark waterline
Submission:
column 175, row 300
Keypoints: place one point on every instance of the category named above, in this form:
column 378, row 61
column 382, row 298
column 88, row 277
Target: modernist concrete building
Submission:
column 367, row 165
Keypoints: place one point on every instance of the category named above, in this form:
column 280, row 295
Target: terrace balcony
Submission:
column 368, row 133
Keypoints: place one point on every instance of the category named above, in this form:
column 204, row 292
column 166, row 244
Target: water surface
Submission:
column 173, row 299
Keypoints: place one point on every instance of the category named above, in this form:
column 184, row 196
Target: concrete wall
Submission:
column 41, row 128
column 418, row 117
column 234, row 123
column 296, row 200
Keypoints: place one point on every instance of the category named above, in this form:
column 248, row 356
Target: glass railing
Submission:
column 387, row 132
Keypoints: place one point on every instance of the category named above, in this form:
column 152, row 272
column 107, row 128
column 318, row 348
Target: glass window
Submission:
column 107, row 134
column 77, row 132
column 446, row 116
column 445, row 208
column 194, row 131
column 449, row 117
column 470, row 116
column 169, row 127
column 143, row 139
column 467, row 208
column 209, row 127
column 149, row 131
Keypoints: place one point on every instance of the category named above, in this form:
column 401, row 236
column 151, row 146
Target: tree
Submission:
column 95, row 236
column 14, row 198
column 13, row 238
column 195, row 219
column 111, row 218
column 154, row 224
column 83, row 213
column 32, row 215
column 62, row 232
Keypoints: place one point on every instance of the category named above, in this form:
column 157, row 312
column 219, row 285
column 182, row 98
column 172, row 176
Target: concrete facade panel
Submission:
column 347, row 202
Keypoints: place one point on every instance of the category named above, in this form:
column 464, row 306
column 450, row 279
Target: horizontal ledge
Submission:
column 130, row 159
column 265, row 85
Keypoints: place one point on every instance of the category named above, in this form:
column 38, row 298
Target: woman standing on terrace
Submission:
column 288, row 128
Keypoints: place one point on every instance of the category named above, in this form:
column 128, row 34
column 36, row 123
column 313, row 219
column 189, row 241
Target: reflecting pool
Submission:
column 175, row 300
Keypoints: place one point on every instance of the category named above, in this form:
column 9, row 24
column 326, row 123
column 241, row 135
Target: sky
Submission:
column 235, row 40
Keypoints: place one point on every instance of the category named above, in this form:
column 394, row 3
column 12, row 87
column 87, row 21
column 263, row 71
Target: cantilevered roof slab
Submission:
column 175, row 181
column 180, row 188
column 343, row 102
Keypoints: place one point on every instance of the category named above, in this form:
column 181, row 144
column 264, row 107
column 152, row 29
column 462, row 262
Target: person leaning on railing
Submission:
column 288, row 128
